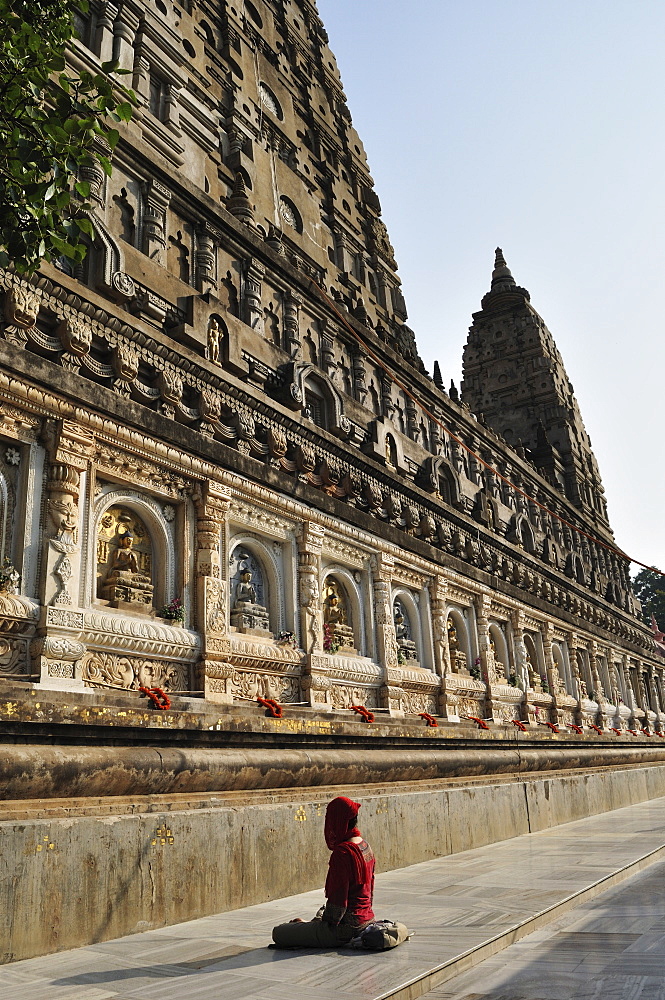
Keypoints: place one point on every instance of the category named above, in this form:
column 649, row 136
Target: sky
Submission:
column 536, row 126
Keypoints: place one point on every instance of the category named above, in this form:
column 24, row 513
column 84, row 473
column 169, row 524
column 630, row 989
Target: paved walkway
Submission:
column 612, row 948
column 463, row 909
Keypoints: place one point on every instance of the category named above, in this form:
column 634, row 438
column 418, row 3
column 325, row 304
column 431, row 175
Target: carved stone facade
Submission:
column 211, row 482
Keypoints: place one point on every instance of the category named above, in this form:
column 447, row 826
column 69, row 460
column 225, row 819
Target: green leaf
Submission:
column 83, row 188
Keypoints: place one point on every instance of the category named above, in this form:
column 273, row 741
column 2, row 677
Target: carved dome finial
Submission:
column 503, row 283
column 501, row 274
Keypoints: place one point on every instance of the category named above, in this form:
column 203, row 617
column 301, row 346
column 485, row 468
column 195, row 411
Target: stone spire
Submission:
column 503, row 283
column 515, row 376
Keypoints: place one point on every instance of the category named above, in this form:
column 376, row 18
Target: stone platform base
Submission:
column 98, row 867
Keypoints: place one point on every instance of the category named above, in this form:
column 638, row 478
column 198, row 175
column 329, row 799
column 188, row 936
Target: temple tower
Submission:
column 515, row 376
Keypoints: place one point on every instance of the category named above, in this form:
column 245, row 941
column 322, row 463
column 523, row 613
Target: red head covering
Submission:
column 340, row 823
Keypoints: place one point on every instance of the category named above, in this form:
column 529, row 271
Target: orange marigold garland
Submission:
column 273, row 707
column 550, row 725
column 519, row 725
column 578, row 729
column 429, row 719
column 367, row 716
column 158, row 698
column 597, row 728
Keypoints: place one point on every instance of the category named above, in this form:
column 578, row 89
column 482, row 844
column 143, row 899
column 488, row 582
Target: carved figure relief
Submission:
column 214, row 337
column 124, row 561
column 407, row 651
column 336, row 617
column 249, row 592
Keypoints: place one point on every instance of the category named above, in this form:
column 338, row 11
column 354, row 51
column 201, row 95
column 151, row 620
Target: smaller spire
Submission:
column 239, row 204
column 503, row 284
column 501, row 274
column 438, row 381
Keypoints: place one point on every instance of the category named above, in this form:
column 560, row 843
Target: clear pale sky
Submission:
column 536, row 126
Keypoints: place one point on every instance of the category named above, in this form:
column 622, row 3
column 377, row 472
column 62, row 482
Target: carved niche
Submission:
column 249, row 593
column 337, row 623
column 407, row 650
column 125, row 561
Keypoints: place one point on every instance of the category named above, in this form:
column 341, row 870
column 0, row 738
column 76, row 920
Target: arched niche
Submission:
column 534, row 661
column 408, row 629
column 499, row 646
column 584, row 670
column 256, row 600
column 564, row 671
column 342, row 612
column 310, row 389
column 604, row 673
column 525, row 535
column 143, row 566
column 459, row 641
column 390, row 451
column 438, row 476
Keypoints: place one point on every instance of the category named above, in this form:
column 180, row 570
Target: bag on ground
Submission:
column 381, row 935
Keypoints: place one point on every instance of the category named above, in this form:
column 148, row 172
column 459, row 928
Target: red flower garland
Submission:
column 646, row 732
column 158, row 697
column 617, row 731
column 550, row 725
column 429, row 719
column 274, row 708
column 656, row 733
column 367, row 716
column 597, row 728
column 631, row 731
column 519, row 725
column 479, row 722
column 578, row 729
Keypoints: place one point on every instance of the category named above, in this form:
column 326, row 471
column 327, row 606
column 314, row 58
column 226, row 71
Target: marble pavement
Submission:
column 463, row 909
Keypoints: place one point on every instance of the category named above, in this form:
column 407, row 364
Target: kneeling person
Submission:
column 349, row 886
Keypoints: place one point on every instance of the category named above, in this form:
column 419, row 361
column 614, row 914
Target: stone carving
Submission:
column 21, row 306
column 124, row 561
column 215, row 597
column 343, row 696
column 249, row 612
column 214, row 337
column 108, row 669
column 407, row 651
column 336, row 618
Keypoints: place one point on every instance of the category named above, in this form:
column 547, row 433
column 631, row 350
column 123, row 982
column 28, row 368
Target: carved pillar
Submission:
column 412, row 427
column 391, row 694
column 521, row 669
column 292, row 304
column 124, row 32
column 327, row 348
column 172, row 108
column 205, row 258
column 315, row 683
column 554, row 681
column 482, row 604
column 107, row 13
column 156, row 199
column 359, row 376
column 448, row 698
column 598, row 690
column 57, row 649
column 141, row 80
column 252, row 295
column 212, row 505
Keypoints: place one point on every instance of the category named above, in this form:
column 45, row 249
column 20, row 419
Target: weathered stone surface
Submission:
column 162, row 859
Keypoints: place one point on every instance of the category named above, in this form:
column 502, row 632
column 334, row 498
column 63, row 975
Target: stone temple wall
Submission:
column 225, row 473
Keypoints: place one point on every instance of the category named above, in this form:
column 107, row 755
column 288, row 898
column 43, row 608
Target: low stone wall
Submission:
column 79, row 870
